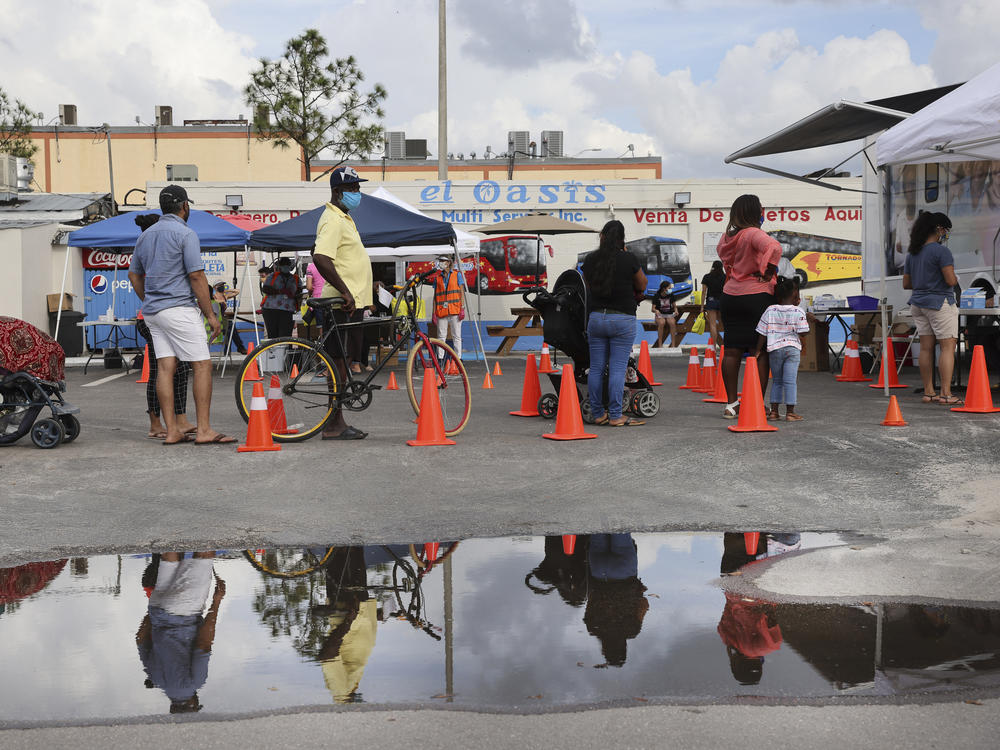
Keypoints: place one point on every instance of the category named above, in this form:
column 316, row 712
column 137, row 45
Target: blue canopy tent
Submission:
column 380, row 224
column 119, row 234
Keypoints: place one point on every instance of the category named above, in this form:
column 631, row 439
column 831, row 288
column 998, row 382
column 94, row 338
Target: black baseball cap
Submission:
column 345, row 176
column 173, row 195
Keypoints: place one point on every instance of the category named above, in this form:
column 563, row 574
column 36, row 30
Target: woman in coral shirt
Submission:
column 750, row 259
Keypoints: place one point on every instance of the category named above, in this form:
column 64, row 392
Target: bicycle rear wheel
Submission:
column 288, row 563
column 454, row 392
column 299, row 381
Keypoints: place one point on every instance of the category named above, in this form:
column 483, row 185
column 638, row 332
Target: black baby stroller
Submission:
column 31, row 379
column 564, row 327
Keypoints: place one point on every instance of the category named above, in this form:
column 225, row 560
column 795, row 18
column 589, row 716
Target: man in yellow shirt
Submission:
column 343, row 261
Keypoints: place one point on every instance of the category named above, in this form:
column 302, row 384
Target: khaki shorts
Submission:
column 941, row 324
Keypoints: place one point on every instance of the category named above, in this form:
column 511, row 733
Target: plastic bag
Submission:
column 699, row 324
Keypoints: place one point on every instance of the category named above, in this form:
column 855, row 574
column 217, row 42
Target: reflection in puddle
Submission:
column 509, row 623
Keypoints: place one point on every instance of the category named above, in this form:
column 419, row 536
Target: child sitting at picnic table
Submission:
column 782, row 328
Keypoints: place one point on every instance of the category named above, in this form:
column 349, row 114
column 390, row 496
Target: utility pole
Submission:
column 111, row 170
column 442, row 94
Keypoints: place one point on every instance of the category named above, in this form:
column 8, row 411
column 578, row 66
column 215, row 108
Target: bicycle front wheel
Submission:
column 454, row 392
column 300, row 384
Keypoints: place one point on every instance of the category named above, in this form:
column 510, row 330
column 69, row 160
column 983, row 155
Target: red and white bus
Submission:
column 507, row 264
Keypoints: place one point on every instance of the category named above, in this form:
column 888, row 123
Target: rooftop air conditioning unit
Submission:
column 67, row 114
column 552, row 143
column 395, row 145
column 8, row 177
column 25, row 174
column 416, row 148
column 182, row 173
column 164, row 115
column 518, row 140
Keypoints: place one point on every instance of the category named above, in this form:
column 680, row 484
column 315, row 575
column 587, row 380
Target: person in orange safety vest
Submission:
column 448, row 304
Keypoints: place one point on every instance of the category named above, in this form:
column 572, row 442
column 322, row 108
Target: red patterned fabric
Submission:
column 25, row 580
column 24, row 347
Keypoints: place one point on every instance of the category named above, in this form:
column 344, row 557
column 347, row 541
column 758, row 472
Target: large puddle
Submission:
column 513, row 624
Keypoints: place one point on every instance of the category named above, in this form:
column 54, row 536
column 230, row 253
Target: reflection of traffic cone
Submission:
column 888, row 366
column 496, row 369
column 978, row 397
column 431, row 551
column 430, row 423
column 569, row 419
column 531, row 392
column 893, row 416
column 252, row 374
column 144, row 378
column 750, row 541
column 852, row 372
column 545, row 364
column 276, row 409
column 694, row 371
column 393, row 385
column 719, row 394
column 569, row 543
column 487, row 381
column 646, row 364
column 752, row 417
column 259, row 429
column 707, row 382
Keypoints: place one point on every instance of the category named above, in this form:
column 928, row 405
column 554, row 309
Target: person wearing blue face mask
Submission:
column 342, row 261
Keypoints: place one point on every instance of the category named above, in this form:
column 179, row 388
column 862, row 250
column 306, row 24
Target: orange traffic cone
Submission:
column 276, row 409
column 888, row 369
column 253, row 373
column 295, row 371
column 451, row 368
column 707, row 382
column 646, row 364
column 978, row 397
column 496, row 369
column 430, row 423
column 569, row 419
column 752, row 417
column 431, row 551
column 545, row 364
column 694, row 371
column 893, row 416
column 719, row 395
column 569, row 543
column 393, row 385
column 851, row 371
column 144, row 378
column 750, row 541
column 259, row 428
column 487, row 382
column 531, row 392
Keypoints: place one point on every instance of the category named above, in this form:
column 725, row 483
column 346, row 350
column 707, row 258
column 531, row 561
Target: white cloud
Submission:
column 116, row 59
column 967, row 37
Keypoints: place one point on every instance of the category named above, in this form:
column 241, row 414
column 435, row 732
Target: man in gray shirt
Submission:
column 169, row 276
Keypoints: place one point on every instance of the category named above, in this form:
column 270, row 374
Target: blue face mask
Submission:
column 350, row 201
column 761, row 221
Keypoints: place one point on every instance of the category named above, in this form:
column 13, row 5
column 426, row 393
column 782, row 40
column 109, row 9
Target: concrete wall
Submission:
column 33, row 268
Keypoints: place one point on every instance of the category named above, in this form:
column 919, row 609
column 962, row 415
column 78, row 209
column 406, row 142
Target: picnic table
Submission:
column 686, row 316
column 527, row 322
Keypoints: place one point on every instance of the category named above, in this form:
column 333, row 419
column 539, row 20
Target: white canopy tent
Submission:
column 465, row 244
column 963, row 125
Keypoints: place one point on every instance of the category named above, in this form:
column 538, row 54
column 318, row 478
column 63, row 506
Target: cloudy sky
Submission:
column 688, row 80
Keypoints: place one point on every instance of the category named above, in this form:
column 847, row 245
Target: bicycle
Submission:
column 305, row 377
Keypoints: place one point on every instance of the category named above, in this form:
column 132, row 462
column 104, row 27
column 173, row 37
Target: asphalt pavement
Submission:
column 921, row 498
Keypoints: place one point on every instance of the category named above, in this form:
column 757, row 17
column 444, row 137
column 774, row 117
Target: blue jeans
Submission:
column 784, row 371
column 611, row 337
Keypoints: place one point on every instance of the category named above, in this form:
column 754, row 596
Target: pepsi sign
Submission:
column 99, row 284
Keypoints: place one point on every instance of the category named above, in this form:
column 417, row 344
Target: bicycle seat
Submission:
column 318, row 302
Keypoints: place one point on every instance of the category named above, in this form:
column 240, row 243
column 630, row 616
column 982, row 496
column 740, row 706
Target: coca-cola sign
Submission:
column 104, row 259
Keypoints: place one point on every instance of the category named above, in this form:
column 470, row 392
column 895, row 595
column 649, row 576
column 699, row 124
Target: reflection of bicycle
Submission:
column 292, row 562
column 306, row 378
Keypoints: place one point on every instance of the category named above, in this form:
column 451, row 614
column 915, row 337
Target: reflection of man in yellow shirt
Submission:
column 342, row 260
column 342, row 672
